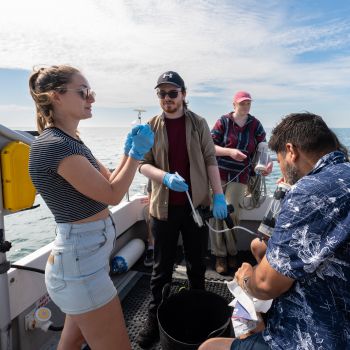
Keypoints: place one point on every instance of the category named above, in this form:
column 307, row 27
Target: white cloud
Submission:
column 15, row 108
column 122, row 47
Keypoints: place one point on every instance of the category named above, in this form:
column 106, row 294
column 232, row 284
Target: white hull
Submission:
column 26, row 289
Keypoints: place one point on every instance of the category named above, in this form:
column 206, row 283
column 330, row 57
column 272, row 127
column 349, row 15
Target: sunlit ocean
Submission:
column 32, row 229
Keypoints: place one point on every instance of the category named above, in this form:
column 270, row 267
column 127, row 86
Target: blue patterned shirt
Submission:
column 311, row 244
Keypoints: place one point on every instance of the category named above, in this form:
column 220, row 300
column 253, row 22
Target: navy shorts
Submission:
column 253, row 342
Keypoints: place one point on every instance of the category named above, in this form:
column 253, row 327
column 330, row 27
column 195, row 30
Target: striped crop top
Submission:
column 64, row 201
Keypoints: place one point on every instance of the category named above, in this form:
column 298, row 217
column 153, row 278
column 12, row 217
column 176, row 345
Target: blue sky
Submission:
column 290, row 55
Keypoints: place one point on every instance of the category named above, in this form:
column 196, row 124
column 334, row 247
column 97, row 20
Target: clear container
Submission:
column 269, row 221
column 262, row 157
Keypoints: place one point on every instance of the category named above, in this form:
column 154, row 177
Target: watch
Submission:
column 245, row 284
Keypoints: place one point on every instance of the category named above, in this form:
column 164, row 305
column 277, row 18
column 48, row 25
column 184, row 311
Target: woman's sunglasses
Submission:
column 172, row 94
column 84, row 93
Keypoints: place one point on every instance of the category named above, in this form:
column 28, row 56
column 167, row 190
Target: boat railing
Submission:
column 22, row 136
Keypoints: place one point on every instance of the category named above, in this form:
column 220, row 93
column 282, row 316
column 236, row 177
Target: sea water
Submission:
column 32, row 229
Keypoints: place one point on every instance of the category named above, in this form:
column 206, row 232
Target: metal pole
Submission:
column 139, row 113
column 6, row 135
column 5, row 314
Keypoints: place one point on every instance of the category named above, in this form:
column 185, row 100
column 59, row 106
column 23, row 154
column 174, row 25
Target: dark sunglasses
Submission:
column 84, row 93
column 172, row 94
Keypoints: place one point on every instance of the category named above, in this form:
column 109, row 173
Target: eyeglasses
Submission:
column 172, row 94
column 84, row 93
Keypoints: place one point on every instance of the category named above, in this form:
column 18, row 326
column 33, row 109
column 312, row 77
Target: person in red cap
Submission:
column 236, row 136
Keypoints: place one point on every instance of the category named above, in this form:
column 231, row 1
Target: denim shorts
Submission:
column 253, row 342
column 77, row 271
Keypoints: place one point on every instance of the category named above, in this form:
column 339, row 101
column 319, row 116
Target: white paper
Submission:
column 242, row 326
column 262, row 305
column 252, row 305
column 243, row 298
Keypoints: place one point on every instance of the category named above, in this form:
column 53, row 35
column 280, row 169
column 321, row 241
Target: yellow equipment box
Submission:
column 17, row 188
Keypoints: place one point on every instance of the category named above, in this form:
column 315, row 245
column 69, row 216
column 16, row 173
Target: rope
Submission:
column 256, row 192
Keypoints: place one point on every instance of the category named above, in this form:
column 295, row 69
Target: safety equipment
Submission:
column 129, row 136
column 127, row 256
column 128, row 143
column 219, row 206
column 17, row 187
column 175, row 182
column 142, row 142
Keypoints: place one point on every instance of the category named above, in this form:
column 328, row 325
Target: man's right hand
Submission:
column 175, row 182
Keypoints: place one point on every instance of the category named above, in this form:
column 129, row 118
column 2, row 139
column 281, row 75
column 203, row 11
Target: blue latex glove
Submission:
column 219, row 206
column 128, row 144
column 142, row 142
column 136, row 128
column 175, row 182
column 128, row 141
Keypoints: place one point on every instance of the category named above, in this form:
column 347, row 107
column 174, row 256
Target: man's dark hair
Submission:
column 341, row 147
column 306, row 131
column 184, row 102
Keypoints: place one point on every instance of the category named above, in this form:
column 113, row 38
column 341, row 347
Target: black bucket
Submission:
column 190, row 317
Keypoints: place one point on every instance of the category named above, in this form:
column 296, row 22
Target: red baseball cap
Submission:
column 241, row 96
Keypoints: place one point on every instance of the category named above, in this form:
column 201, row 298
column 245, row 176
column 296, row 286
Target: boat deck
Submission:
column 135, row 302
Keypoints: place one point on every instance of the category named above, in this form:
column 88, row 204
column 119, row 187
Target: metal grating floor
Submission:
column 135, row 304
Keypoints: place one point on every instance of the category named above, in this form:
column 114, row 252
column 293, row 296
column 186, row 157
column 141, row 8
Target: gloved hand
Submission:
column 128, row 141
column 142, row 142
column 136, row 128
column 219, row 206
column 175, row 182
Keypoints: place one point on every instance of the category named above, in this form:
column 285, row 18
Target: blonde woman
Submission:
column 77, row 188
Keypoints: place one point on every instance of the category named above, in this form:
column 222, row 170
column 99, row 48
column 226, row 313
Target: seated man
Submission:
column 306, row 268
column 258, row 246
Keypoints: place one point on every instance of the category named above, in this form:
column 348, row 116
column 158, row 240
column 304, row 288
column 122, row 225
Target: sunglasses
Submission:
column 172, row 94
column 84, row 93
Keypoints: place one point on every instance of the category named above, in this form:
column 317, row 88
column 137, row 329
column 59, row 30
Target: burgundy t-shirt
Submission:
column 178, row 156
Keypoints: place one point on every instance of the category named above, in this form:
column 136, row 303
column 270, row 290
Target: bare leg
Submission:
column 104, row 328
column 258, row 249
column 217, row 344
column 71, row 337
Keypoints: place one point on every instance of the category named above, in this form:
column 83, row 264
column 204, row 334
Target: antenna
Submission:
column 140, row 111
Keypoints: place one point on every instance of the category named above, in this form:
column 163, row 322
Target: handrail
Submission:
column 16, row 135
